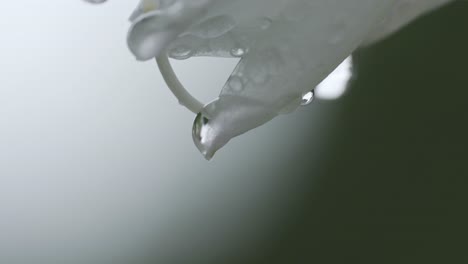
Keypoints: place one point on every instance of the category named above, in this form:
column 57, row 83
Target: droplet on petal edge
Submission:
column 225, row 118
column 237, row 52
column 181, row 53
column 307, row 98
column 200, row 132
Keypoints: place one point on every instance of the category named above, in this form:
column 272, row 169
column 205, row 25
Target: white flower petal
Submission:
column 146, row 6
column 210, row 130
column 287, row 47
column 216, row 27
column 151, row 32
column 231, row 44
column 306, row 42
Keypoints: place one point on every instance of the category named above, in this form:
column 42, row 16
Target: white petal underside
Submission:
column 286, row 60
column 287, row 47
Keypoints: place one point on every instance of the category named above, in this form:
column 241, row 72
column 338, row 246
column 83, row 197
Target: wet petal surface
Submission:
column 286, row 48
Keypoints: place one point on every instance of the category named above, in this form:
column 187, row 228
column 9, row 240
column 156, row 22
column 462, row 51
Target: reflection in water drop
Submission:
column 307, row 98
column 225, row 118
column 201, row 136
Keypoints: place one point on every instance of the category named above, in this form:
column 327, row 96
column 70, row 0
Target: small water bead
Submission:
column 236, row 84
column 307, row 98
column 238, row 52
column 181, row 52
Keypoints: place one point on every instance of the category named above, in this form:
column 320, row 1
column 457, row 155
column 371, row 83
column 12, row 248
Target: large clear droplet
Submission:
column 225, row 118
column 201, row 134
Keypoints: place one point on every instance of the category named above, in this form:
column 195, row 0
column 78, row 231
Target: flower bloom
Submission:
column 286, row 48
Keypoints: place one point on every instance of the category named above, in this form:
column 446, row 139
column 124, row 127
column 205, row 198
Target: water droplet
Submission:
column 236, row 84
column 201, row 136
column 307, row 98
column 238, row 52
column 181, row 53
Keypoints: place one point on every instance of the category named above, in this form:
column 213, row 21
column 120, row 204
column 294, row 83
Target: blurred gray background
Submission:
column 97, row 163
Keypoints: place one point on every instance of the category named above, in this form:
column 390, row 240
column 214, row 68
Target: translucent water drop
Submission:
column 307, row 98
column 201, row 134
column 237, row 52
column 236, row 84
column 225, row 118
column 181, row 53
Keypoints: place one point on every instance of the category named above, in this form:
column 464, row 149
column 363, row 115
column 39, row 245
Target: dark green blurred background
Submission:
column 392, row 187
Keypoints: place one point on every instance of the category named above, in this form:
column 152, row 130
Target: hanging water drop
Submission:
column 201, row 134
column 307, row 98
